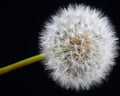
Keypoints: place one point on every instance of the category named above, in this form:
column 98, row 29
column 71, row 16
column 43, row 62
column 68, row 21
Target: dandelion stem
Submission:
column 22, row 63
column 28, row 61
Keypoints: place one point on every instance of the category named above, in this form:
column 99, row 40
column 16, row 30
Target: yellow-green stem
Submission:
column 29, row 61
column 22, row 63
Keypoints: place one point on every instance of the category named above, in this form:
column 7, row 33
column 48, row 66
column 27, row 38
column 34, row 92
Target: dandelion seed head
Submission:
column 91, row 42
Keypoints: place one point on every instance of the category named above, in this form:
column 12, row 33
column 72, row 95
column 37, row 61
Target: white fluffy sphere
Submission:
column 92, row 45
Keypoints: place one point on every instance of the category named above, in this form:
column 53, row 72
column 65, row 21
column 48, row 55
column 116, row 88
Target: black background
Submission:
column 21, row 22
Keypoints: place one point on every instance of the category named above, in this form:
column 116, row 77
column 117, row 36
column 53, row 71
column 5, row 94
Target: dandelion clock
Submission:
column 78, row 45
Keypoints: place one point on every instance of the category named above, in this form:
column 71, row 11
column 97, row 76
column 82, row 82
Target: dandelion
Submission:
column 79, row 46
column 91, row 43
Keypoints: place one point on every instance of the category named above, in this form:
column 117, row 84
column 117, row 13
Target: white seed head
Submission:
column 91, row 42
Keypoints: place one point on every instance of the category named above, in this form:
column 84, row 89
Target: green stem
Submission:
column 22, row 63
column 29, row 61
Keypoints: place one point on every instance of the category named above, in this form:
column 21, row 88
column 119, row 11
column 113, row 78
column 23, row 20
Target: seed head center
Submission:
column 80, row 43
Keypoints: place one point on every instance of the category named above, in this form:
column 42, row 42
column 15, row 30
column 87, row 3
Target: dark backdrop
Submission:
column 21, row 23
